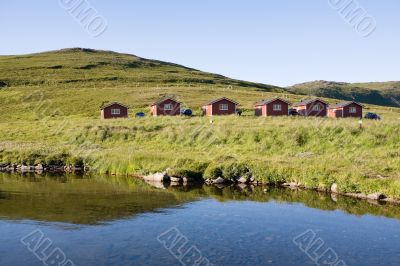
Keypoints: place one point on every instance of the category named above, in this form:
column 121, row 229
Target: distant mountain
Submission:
column 378, row 93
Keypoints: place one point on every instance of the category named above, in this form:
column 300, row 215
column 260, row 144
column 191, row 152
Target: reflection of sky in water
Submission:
column 103, row 222
column 232, row 233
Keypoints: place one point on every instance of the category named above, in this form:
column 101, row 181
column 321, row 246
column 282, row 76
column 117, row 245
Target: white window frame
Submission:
column 115, row 111
column 168, row 107
column 277, row 107
column 352, row 110
column 224, row 107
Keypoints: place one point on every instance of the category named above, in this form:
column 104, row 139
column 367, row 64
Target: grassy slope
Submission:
column 50, row 114
column 379, row 93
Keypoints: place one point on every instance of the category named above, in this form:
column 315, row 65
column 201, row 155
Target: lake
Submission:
column 101, row 220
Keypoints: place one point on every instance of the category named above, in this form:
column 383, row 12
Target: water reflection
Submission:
column 99, row 199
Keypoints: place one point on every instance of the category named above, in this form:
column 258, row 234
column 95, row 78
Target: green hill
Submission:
column 49, row 114
column 378, row 93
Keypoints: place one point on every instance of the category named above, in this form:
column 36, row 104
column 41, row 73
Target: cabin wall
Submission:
column 270, row 109
column 215, row 109
column 159, row 110
column 106, row 112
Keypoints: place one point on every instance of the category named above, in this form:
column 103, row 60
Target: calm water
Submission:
column 120, row 221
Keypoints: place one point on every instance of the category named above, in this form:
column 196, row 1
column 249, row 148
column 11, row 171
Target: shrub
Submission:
column 213, row 172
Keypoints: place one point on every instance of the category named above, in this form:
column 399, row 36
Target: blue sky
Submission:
column 279, row 42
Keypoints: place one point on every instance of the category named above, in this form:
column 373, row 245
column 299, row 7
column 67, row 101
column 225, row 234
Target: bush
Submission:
column 235, row 170
column 213, row 172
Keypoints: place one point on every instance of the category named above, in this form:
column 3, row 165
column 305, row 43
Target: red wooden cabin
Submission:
column 165, row 107
column 346, row 109
column 114, row 110
column 311, row 107
column 272, row 107
column 221, row 106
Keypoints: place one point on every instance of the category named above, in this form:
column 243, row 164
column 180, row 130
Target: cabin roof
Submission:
column 344, row 104
column 268, row 101
column 308, row 101
column 220, row 99
column 164, row 99
column 109, row 104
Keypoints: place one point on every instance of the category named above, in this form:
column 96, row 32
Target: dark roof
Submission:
column 344, row 104
column 264, row 102
column 308, row 101
column 220, row 99
column 109, row 104
column 164, row 99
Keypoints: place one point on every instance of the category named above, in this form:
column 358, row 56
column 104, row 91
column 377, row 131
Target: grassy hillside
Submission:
column 50, row 114
column 378, row 93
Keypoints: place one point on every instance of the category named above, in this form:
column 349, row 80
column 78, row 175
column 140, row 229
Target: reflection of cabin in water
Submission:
column 114, row 110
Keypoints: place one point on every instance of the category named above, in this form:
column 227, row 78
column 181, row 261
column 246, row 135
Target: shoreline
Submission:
column 158, row 180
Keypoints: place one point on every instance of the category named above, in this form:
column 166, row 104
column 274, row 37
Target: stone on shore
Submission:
column 334, row 188
column 175, row 179
column 157, row 177
column 219, row 180
column 376, row 196
column 243, row 180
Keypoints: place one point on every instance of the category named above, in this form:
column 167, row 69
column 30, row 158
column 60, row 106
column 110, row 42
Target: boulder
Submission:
column 39, row 167
column 334, row 188
column 157, row 177
column 208, row 181
column 26, row 168
column 243, row 180
column 219, row 180
column 376, row 196
column 291, row 184
column 175, row 179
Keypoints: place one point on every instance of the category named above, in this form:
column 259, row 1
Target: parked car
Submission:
column 293, row 112
column 186, row 112
column 372, row 116
column 140, row 115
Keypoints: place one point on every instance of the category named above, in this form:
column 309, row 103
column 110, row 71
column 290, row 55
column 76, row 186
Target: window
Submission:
column 223, row 107
column 115, row 111
column 316, row 107
column 168, row 107
column 352, row 110
column 277, row 107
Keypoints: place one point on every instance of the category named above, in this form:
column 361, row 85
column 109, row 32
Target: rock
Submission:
column 39, row 167
column 208, row 181
column 26, row 168
column 175, row 179
column 291, row 184
column 252, row 180
column 219, row 180
column 376, row 196
column 243, row 180
column 334, row 188
column 188, row 180
column 157, row 177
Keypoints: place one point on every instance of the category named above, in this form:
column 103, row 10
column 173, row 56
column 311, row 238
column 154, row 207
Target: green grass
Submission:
column 50, row 114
